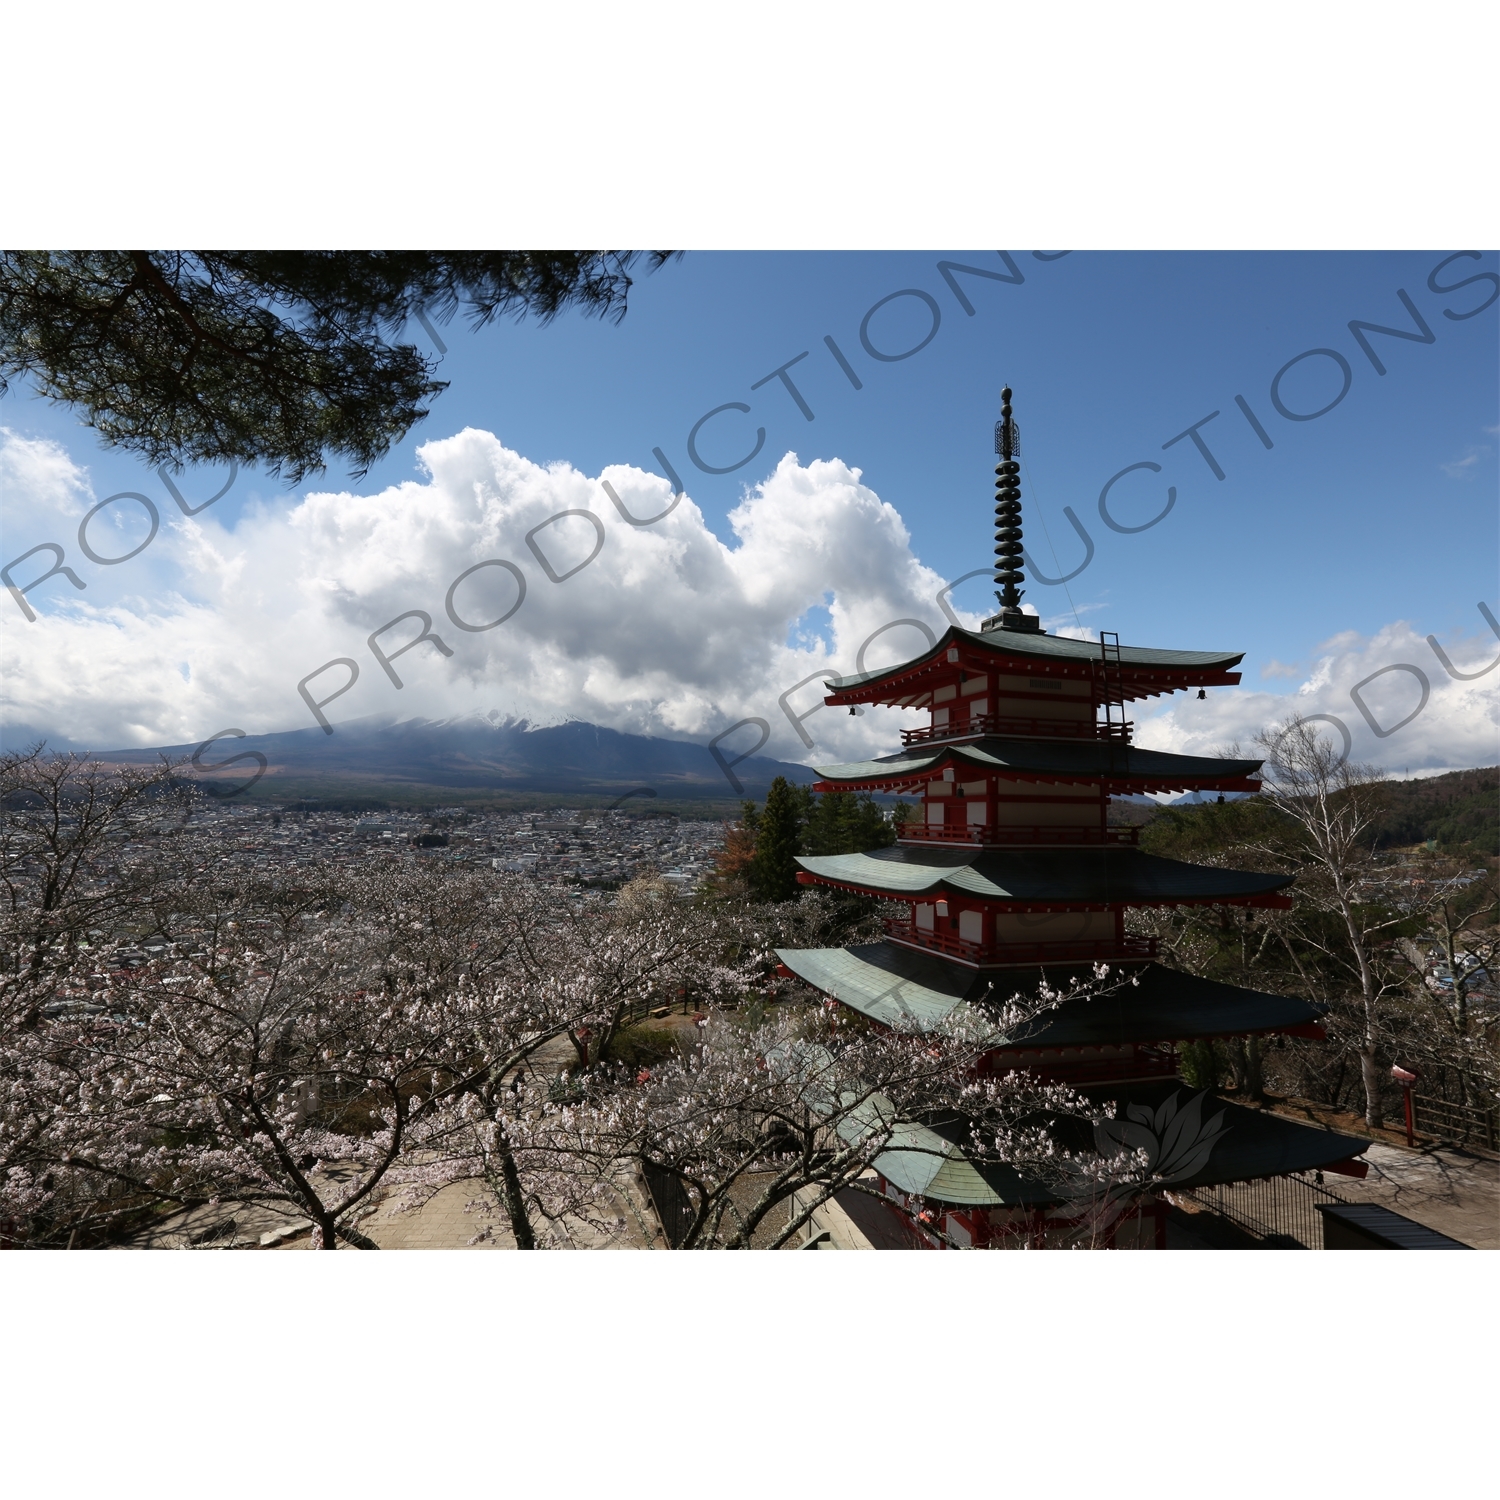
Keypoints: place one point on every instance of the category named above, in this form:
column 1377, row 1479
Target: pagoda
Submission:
column 1012, row 874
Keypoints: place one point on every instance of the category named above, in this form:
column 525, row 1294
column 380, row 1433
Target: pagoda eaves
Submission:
column 928, row 1162
column 1156, row 1006
column 1045, row 879
column 1137, row 671
column 1119, row 768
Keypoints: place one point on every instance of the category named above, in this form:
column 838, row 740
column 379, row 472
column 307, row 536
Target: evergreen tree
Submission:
column 272, row 357
column 773, row 870
column 795, row 820
column 845, row 823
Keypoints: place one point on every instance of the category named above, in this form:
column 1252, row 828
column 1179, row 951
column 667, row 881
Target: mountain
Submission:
column 472, row 757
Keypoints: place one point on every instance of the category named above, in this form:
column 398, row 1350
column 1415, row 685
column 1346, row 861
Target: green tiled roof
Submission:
column 1025, row 876
column 1239, row 1144
column 1053, row 648
column 930, row 1163
column 900, row 987
column 1075, row 760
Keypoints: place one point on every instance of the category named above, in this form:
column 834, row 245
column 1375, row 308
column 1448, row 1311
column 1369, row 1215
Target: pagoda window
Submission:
column 979, row 706
column 979, row 813
column 971, row 926
column 924, row 917
column 940, row 717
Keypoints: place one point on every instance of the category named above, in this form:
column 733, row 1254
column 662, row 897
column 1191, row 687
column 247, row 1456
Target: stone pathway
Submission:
column 1454, row 1191
column 458, row 1217
column 463, row 1217
column 455, row 1218
column 219, row 1226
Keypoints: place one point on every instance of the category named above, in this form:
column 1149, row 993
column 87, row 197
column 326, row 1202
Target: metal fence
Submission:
column 1460, row 1123
column 1280, row 1212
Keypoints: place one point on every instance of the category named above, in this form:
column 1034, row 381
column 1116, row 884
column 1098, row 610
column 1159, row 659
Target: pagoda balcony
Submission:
column 1011, row 834
column 1129, row 949
column 979, row 725
column 947, row 943
column 1082, row 1066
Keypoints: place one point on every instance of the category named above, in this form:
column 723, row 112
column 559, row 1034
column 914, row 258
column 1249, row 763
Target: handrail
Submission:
column 955, row 947
column 1015, row 833
column 1130, row 948
column 1147, row 1063
column 1437, row 1118
column 1023, row 728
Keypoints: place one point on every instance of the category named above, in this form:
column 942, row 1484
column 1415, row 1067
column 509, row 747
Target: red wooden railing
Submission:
column 1039, row 729
column 1014, row 833
column 1130, row 948
column 939, row 941
column 1079, row 1068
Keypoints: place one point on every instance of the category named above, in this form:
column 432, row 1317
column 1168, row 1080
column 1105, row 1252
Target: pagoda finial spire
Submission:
column 1008, row 550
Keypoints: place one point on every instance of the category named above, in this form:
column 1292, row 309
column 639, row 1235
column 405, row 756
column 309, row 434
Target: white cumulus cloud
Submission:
column 1401, row 705
column 657, row 628
column 37, row 476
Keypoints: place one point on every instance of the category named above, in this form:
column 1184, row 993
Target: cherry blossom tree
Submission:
column 324, row 1040
column 284, row 1072
column 601, row 970
column 73, row 840
column 63, row 871
column 766, row 1116
column 299, row 1035
column 284, row 1050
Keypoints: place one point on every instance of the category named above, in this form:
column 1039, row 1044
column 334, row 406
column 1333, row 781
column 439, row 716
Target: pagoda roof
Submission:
column 1051, row 760
column 897, row 986
column 1214, row 1141
column 1030, row 649
column 1040, row 878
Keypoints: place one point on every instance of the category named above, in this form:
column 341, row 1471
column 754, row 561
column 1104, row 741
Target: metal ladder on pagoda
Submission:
column 1117, row 751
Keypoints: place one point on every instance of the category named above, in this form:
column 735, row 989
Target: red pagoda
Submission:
column 1013, row 874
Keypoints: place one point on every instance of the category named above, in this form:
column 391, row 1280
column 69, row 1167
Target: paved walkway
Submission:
column 456, row 1218
column 463, row 1216
column 218, row 1226
column 459, row 1217
column 1454, row 1191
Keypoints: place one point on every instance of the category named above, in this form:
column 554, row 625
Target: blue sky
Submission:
column 1349, row 519
column 1382, row 510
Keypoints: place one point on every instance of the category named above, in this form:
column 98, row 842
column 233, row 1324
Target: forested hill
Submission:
column 1459, row 812
column 1460, row 809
